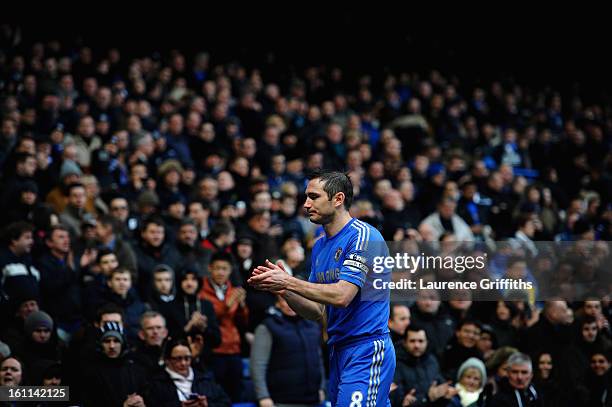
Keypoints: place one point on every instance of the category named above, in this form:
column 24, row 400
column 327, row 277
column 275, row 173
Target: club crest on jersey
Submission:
column 338, row 253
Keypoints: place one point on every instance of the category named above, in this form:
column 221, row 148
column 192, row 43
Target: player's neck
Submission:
column 335, row 226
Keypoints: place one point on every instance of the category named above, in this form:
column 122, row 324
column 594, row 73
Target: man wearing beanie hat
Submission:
column 41, row 342
column 25, row 204
column 112, row 378
column 112, row 348
column 70, row 173
column 39, row 322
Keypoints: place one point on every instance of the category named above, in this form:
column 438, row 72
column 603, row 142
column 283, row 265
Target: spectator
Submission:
column 597, row 385
column 461, row 347
column 517, row 390
column 487, row 343
column 152, row 250
column 428, row 313
column 286, row 363
column 399, row 319
column 153, row 332
column 28, row 206
column 14, row 181
column 18, row 273
column 70, row 173
column 85, row 140
column 72, row 217
column 231, row 311
column 418, row 380
column 221, row 237
column 196, row 314
column 60, row 283
column 108, row 237
column 11, row 372
column 120, row 211
column 504, row 323
column 471, row 378
column 176, row 384
column 199, row 211
column 113, row 379
column 121, row 293
column 544, row 379
column 13, row 330
column 445, row 220
column 83, row 347
column 192, row 254
column 41, row 342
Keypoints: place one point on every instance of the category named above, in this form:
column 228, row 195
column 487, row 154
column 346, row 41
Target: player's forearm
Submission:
column 329, row 294
column 303, row 306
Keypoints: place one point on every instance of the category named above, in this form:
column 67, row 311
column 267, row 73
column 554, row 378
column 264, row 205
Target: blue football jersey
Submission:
column 348, row 255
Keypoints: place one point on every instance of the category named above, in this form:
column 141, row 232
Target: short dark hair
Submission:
column 153, row 220
column 392, row 308
column 222, row 256
column 205, row 205
column 172, row 343
column 108, row 220
column 109, row 308
column 15, row 230
column 104, row 252
column 414, row 328
column 188, row 221
column 22, row 157
column 119, row 270
column 221, row 227
column 333, row 183
column 53, row 228
column 468, row 321
column 74, row 185
column 587, row 319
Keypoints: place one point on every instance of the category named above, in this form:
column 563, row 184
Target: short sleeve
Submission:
column 355, row 265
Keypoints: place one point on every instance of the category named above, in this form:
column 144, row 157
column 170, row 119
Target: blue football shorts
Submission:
column 360, row 373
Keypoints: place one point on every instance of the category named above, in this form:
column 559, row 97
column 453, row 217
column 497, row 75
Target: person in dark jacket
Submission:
column 598, row 382
column 40, row 343
column 517, row 390
column 502, row 322
column 192, row 254
column 196, row 315
column 112, row 378
column 179, row 385
column 544, row 378
column 162, row 298
column 17, row 274
column 152, row 251
column 20, row 306
column 59, row 283
column 399, row 319
column 553, row 332
column 418, row 380
column 107, row 236
column 429, row 313
column 286, row 363
column 153, row 332
column 120, row 292
column 461, row 347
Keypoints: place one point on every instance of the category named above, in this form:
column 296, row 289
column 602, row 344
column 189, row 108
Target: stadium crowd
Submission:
column 138, row 194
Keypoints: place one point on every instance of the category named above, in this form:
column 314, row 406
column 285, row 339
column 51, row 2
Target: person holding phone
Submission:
column 179, row 385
